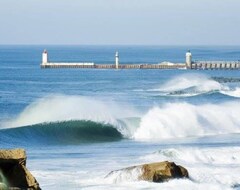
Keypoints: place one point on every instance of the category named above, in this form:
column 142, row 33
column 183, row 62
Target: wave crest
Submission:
column 172, row 120
column 65, row 108
column 194, row 85
column 185, row 120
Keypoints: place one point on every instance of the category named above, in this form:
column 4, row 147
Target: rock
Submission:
column 13, row 171
column 13, row 156
column 163, row 171
column 153, row 172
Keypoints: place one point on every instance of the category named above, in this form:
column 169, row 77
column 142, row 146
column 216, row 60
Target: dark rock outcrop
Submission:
column 155, row 172
column 163, row 171
column 13, row 171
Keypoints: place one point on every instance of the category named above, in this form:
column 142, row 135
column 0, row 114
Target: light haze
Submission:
column 122, row 22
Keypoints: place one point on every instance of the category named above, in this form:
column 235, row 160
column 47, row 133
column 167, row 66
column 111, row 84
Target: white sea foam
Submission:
column 125, row 175
column 193, row 156
column 183, row 120
column 209, row 167
column 217, row 166
column 234, row 92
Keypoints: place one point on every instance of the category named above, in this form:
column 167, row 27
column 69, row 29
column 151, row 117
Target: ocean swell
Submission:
column 65, row 132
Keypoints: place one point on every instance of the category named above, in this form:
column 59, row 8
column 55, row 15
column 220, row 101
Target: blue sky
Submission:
column 137, row 22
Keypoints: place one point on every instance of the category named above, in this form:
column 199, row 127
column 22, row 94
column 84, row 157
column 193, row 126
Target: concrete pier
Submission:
column 215, row 65
column 189, row 64
column 67, row 65
column 113, row 66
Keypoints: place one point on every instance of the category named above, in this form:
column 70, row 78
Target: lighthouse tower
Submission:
column 189, row 59
column 117, row 60
column 44, row 57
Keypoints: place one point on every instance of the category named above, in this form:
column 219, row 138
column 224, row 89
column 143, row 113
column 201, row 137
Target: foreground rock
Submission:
column 153, row 172
column 13, row 171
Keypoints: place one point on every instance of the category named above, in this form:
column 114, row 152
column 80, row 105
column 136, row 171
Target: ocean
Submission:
column 77, row 125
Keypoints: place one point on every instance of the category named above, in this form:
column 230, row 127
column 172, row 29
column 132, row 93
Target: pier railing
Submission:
column 201, row 65
column 113, row 66
column 210, row 65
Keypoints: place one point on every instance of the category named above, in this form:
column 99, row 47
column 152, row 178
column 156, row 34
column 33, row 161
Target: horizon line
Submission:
column 156, row 45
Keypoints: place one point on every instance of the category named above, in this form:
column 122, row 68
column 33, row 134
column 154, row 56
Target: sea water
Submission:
column 77, row 125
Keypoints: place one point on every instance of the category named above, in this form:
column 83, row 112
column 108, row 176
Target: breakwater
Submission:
column 189, row 64
column 213, row 65
column 113, row 66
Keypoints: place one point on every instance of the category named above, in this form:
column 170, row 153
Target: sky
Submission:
column 120, row 22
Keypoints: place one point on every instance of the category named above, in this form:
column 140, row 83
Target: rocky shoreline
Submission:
column 15, row 176
column 13, row 172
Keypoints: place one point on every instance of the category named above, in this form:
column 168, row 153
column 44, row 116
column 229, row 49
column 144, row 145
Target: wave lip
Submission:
column 66, row 132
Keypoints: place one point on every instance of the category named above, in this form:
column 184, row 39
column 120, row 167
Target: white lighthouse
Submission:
column 44, row 57
column 117, row 60
column 189, row 59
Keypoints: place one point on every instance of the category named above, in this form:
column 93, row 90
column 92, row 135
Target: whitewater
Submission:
column 79, row 125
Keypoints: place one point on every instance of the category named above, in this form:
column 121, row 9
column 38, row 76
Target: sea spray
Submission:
column 192, row 155
column 185, row 120
column 206, row 165
column 188, row 85
column 168, row 120
column 65, row 108
column 199, row 81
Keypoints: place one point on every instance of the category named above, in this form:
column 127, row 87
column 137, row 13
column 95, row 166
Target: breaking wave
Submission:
column 194, row 85
column 176, row 120
column 70, row 119
column 62, row 118
column 60, row 108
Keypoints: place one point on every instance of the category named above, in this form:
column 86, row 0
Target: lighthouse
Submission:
column 44, row 57
column 116, row 60
column 189, row 59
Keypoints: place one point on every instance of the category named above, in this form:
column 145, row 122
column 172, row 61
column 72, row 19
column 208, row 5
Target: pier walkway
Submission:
column 113, row 66
column 189, row 64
